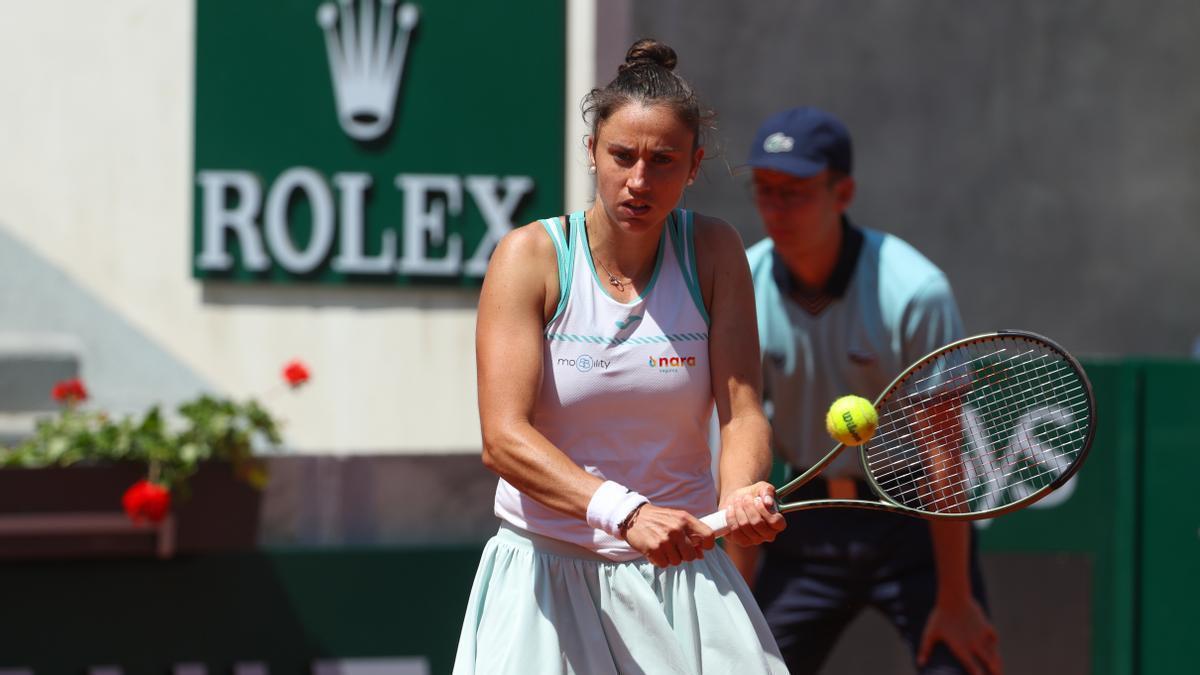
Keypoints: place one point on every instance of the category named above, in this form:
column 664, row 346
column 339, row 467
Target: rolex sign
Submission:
column 372, row 140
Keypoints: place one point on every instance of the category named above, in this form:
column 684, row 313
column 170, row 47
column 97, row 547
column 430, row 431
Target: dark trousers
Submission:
column 830, row 564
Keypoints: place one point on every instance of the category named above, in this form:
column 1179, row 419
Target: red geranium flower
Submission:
column 69, row 391
column 296, row 373
column 146, row 501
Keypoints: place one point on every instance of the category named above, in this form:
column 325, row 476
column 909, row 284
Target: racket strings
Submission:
column 917, row 398
column 1000, row 472
column 900, row 425
column 945, row 461
column 919, row 395
column 1028, row 465
column 899, row 422
column 921, row 496
column 899, row 418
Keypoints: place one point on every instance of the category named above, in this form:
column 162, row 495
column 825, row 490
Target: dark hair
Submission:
column 647, row 77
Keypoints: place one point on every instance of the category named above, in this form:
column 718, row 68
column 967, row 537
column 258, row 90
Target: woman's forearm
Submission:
column 745, row 452
column 521, row 455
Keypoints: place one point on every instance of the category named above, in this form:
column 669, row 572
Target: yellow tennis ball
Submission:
column 851, row 420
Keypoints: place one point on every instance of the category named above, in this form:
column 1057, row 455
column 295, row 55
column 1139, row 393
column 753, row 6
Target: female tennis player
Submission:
column 604, row 338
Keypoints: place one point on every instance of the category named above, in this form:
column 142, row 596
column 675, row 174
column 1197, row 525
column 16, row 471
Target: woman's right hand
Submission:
column 669, row 536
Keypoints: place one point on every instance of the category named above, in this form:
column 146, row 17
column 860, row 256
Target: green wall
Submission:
column 1169, row 519
column 285, row 609
column 1097, row 523
column 1132, row 517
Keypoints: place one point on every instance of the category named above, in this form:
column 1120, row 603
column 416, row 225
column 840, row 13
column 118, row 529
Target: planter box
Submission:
column 221, row 514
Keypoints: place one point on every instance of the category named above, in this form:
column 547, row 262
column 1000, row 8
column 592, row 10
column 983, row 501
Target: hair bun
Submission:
column 648, row 52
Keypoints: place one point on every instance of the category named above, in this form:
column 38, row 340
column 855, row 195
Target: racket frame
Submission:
column 885, row 504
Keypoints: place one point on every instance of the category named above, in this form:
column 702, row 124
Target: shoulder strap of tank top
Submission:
column 683, row 240
column 563, row 250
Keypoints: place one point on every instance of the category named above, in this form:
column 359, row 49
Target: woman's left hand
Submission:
column 750, row 513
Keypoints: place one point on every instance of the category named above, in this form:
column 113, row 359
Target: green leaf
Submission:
column 207, row 429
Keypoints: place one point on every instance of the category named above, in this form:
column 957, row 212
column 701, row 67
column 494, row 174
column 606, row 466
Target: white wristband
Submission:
column 611, row 504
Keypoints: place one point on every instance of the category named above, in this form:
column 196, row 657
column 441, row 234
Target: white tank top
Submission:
column 625, row 388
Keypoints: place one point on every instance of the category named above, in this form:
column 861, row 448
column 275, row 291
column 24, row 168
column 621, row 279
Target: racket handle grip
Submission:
column 718, row 523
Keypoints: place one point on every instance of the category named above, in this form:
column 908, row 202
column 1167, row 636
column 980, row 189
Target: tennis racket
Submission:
column 983, row 426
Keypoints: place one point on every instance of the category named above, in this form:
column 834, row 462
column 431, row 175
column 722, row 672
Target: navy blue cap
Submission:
column 802, row 142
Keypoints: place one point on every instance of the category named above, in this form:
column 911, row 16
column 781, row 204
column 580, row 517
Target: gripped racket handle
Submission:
column 718, row 523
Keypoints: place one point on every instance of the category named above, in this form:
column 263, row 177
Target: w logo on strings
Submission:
column 1036, row 433
column 366, row 60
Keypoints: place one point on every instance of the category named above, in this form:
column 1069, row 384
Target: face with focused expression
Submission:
column 801, row 214
column 644, row 158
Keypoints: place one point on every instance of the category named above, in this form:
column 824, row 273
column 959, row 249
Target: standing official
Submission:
column 843, row 309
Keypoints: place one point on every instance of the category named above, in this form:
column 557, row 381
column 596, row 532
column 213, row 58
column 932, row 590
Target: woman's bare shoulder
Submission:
column 526, row 245
column 716, row 238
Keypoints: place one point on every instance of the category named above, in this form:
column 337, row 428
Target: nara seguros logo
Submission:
column 426, row 229
column 366, row 51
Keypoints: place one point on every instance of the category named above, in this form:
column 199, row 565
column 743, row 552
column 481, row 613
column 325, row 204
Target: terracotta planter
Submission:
column 221, row 514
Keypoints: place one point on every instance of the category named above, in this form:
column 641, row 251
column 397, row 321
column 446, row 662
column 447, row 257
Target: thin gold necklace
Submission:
column 612, row 278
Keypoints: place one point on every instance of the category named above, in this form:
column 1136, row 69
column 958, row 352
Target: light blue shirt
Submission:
column 896, row 308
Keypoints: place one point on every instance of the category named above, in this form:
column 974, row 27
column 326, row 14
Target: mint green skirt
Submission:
column 539, row 605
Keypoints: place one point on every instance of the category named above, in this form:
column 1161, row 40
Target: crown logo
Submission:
column 366, row 60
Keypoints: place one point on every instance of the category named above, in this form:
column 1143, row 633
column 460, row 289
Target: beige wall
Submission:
column 96, row 179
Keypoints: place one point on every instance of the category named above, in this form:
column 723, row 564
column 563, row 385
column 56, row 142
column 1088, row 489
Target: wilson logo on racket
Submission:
column 998, row 475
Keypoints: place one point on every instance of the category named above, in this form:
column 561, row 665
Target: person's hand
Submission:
column 668, row 536
column 750, row 512
column 966, row 631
